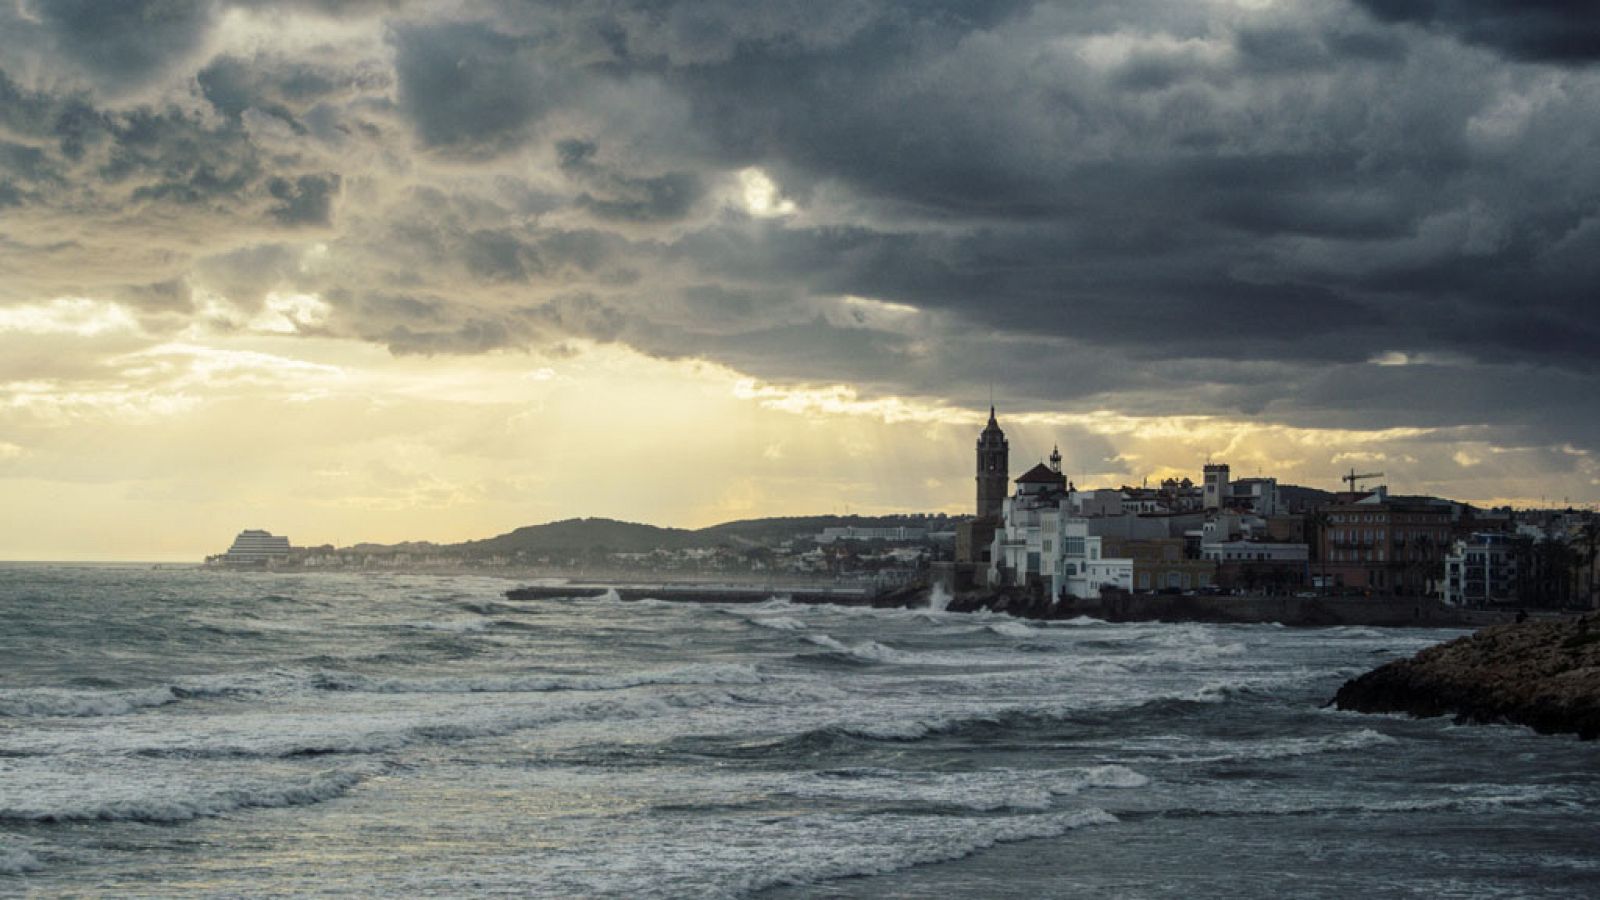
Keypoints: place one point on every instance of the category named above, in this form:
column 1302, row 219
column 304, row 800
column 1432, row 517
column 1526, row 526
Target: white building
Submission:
column 1025, row 546
column 1216, row 486
column 255, row 548
column 1481, row 570
column 901, row 534
column 1259, row 495
column 1081, row 569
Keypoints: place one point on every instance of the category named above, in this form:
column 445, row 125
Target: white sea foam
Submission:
column 18, row 861
column 451, row 626
column 1281, row 748
column 777, row 623
column 352, row 727
column 866, row 651
column 710, row 673
column 65, row 702
column 737, row 857
column 90, row 702
column 147, row 791
column 1013, row 629
column 981, row 791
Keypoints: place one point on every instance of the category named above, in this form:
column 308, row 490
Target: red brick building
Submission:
column 1384, row 545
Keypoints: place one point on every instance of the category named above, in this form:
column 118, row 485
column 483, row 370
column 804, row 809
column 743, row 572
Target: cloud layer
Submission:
column 1342, row 214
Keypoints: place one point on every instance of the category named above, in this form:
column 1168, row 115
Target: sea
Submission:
column 180, row 732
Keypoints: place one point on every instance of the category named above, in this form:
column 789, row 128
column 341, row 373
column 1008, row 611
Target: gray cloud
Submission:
column 470, row 89
column 1130, row 205
column 1565, row 31
column 126, row 41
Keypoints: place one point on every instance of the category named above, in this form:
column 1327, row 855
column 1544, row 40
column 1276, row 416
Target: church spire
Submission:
column 1055, row 459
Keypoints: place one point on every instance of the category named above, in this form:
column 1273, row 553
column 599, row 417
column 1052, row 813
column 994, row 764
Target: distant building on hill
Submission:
column 898, row 534
column 253, row 548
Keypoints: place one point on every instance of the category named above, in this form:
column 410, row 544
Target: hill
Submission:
column 571, row 536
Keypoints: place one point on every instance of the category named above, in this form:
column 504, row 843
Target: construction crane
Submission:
column 1352, row 478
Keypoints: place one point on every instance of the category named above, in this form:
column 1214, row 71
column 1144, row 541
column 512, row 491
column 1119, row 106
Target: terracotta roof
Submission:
column 1041, row 474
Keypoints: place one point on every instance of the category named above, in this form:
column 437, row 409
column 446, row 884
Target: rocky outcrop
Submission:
column 1545, row 675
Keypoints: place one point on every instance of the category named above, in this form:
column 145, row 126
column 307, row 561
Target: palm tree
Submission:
column 1589, row 539
column 1317, row 522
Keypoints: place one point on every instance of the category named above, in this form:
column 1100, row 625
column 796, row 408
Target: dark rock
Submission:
column 1545, row 675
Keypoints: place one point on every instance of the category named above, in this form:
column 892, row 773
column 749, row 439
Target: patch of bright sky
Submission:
column 165, row 449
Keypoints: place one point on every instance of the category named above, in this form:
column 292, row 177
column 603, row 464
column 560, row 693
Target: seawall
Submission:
column 1296, row 611
column 725, row 594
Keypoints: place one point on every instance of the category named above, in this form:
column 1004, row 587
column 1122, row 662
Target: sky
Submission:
column 388, row 270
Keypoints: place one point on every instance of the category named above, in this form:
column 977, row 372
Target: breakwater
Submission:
column 1313, row 612
column 842, row 596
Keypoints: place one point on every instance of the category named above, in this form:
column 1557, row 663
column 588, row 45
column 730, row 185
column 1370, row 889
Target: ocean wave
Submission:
column 44, row 702
column 715, row 673
column 68, row 796
column 18, row 861
column 1013, row 629
column 777, row 623
column 356, row 731
column 1283, row 748
column 981, row 791
column 450, row 626
column 866, row 651
column 735, row 857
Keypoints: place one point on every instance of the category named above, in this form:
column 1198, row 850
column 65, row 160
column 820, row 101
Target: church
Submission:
column 1039, row 533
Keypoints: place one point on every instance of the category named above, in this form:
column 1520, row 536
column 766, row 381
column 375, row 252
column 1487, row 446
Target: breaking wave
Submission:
column 164, row 805
column 18, row 861
column 729, row 673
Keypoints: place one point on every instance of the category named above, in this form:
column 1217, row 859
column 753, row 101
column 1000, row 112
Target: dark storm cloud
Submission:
column 129, row 40
column 1564, row 31
column 472, row 90
column 307, row 200
column 610, row 194
column 282, row 88
column 1136, row 205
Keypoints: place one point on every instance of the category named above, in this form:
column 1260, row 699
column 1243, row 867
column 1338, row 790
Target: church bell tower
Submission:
column 994, row 459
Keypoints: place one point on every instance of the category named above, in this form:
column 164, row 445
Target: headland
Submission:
column 1545, row 675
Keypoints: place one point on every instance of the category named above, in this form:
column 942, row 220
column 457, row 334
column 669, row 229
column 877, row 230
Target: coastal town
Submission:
column 1039, row 535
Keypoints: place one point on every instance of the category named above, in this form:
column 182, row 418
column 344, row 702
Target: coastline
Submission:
column 1305, row 612
column 1544, row 675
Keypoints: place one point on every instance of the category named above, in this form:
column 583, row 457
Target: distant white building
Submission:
column 1259, row 495
column 255, row 548
column 899, row 534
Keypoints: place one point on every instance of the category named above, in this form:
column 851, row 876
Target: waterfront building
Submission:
column 1481, row 570
column 1025, row 546
column 1081, row 568
column 1392, row 545
column 254, row 548
column 1161, row 564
